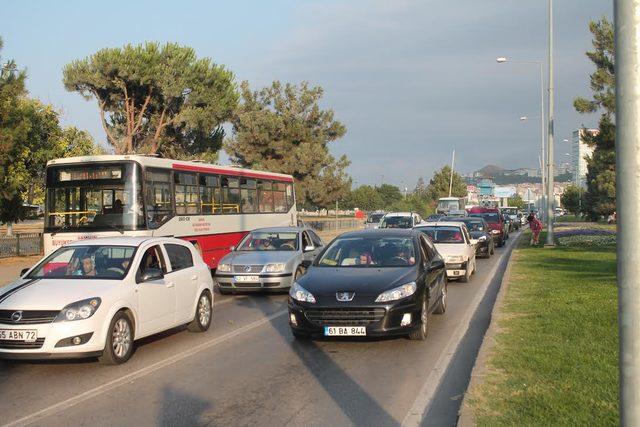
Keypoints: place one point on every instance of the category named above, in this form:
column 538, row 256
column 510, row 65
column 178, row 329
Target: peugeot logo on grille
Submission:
column 16, row 316
column 247, row 268
column 345, row 296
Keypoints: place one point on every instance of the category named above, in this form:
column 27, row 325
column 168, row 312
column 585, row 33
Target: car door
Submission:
column 429, row 275
column 471, row 249
column 156, row 298
column 308, row 256
column 185, row 276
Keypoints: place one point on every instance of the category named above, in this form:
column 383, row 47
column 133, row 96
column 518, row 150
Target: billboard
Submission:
column 504, row 191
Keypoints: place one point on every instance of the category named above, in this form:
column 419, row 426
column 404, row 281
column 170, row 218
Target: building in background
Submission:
column 579, row 152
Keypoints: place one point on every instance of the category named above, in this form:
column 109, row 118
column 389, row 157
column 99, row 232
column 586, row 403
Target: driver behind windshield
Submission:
column 87, row 267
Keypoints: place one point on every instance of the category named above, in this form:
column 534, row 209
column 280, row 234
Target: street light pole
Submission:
column 627, row 60
column 550, row 195
column 502, row 60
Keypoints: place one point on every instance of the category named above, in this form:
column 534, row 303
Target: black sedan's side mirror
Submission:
column 436, row 264
column 152, row 274
column 24, row 271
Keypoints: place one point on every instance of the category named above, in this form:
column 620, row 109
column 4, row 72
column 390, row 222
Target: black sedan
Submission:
column 479, row 230
column 370, row 283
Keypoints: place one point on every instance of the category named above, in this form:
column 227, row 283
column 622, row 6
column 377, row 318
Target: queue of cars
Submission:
column 96, row 297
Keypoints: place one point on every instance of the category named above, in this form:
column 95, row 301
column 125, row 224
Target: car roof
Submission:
column 381, row 232
column 441, row 223
column 281, row 229
column 400, row 214
column 463, row 218
column 125, row 241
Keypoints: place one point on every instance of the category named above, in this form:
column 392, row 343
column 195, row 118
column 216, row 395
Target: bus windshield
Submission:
column 98, row 198
column 448, row 205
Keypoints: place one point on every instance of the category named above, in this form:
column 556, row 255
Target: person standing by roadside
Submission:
column 536, row 227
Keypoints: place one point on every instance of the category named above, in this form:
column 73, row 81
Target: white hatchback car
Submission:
column 95, row 297
column 453, row 241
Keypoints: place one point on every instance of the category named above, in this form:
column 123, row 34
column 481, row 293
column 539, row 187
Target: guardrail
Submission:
column 333, row 224
column 22, row 244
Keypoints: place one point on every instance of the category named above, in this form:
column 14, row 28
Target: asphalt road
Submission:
column 248, row 370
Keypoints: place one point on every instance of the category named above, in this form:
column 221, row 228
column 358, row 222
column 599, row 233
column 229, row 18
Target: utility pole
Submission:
column 542, row 132
column 453, row 159
column 627, row 61
column 550, row 122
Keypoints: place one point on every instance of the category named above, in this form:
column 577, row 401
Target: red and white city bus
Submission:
column 211, row 206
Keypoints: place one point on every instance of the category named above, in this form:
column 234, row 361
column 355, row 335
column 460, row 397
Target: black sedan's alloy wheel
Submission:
column 420, row 334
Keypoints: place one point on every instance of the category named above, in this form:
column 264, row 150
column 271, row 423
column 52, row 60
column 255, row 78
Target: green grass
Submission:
column 569, row 218
column 555, row 360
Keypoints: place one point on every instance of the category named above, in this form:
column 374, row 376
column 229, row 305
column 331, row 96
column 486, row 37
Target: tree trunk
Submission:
column 9, row 228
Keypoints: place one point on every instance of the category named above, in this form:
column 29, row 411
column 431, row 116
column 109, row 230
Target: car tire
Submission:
column 493, row 250
column 420, row 334
column 118, row 347
column 441, row 307
column 203, row 315
column 475, row 266
column 300, row 335
column 467, row 274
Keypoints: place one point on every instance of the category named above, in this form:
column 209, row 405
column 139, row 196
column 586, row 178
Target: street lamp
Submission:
column 502, row 60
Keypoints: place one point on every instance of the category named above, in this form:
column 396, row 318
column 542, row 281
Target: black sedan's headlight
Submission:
column 79, row 310
column 400, row 292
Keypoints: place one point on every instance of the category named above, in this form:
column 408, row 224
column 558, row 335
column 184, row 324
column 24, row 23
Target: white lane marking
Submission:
column 65, row 404
column 419, row 408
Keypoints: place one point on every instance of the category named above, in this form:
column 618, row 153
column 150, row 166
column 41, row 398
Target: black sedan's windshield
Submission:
column 84, row 262
column 369, row 252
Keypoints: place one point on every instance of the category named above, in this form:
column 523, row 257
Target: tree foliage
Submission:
column 516, row 201
column 156, row 98
column 30, row 135
column 282, row 128
column 600, row 197
column 439, row 184
column 570, row 199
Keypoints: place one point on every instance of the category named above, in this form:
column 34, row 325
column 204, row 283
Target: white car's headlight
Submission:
column 482, row 238
column 299, row 293
column 398, row 293
column 495, row 231
column 79, row 310
column 274, row 268
column 224, row 268
column 455, row 258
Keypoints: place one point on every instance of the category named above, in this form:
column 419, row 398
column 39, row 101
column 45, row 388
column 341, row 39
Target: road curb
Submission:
column 466, row 417
column 420, row 407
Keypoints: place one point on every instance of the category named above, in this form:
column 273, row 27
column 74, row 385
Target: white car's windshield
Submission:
column 90, row 261
column 269, row 241
column 444, row 234
column 396, row 222
column 369, row 252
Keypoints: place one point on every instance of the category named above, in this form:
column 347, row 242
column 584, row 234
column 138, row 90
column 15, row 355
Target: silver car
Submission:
column 268, row 259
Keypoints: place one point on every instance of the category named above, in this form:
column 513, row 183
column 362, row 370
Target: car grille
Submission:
column 248, row 285
column 29, row 317
column 244, row 268
column 21, row 345
column 345, row 316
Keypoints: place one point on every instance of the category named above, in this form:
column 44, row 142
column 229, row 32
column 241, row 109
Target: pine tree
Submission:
column 600, row 197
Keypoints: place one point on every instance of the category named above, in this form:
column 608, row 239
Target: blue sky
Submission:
column 411, row 80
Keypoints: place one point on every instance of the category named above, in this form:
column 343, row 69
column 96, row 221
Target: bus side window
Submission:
column 279, row 197
column 230, row 195
column 186, row 189
column 265, row 197
column 158, row 197
column 210, row 194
